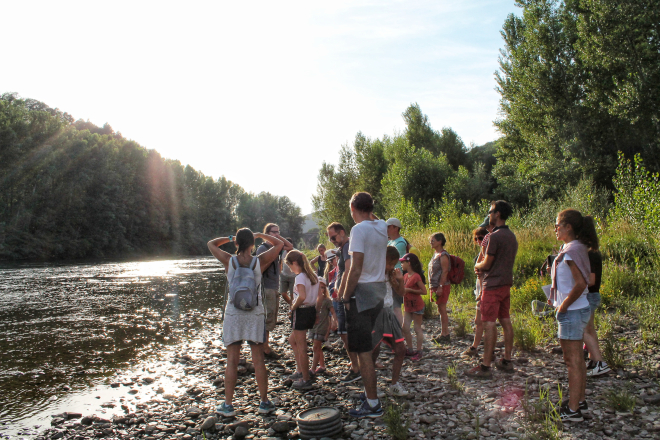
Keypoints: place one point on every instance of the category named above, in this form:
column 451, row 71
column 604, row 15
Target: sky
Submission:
column 259, row 92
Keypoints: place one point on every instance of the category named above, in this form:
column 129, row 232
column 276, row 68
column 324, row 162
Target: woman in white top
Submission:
column 239, row 325
column 570, row 277
column 303, row 314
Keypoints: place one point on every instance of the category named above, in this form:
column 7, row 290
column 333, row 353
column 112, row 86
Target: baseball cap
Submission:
column 330, row 254
column 322, row 280
column 486, row 223
column 406, row 257
column 394, row 222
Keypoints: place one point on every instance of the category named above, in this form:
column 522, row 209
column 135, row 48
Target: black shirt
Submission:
column 596, row 262
column 341, row 264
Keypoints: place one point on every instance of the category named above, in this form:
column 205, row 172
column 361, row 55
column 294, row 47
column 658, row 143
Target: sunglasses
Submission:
column 333, row 237
column 478, row 238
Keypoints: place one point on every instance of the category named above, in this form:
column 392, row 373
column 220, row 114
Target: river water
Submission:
column 66, row 328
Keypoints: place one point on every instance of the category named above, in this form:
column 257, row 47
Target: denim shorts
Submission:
column 594, row 300
column 572, row 324
column 341, row 316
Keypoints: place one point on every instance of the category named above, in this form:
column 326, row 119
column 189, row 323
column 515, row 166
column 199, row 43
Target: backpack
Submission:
column 243, row 293
column 457, row 269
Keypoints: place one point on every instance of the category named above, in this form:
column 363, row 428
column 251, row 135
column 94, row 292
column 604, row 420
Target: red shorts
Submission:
column 442, row 294
column 495, row 304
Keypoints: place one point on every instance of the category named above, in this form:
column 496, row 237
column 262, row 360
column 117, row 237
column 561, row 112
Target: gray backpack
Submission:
column 243, row 292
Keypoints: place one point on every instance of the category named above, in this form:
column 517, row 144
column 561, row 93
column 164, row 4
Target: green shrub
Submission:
column 462, row 318
column 522, row 297
column 622, row 400
column 394, row 420
column 527, row 331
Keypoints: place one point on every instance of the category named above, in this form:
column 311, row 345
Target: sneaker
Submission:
column 566, row 415
column 319, row 371
column 398, row 390
column 225, row 410
column 266, row 407
column 351, row 377
column 365, row 410
column 504, row 365
column 295, row 376
column 471, row 352
column 416, row 357
column 363, row 396
column 591, row 364
column 409, row 353
column 600, row 369
column 479, row 372
column 584, row 406
column 301, row 384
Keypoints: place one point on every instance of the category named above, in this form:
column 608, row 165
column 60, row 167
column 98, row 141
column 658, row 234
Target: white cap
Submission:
column 322, row 280
column 394, row 222
column 331, row 253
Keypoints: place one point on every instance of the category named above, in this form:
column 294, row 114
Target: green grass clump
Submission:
column 393, row 418
column 622, row 399
column 452, row 377
column 527, row 331
column 522, row 297
column 462, row 318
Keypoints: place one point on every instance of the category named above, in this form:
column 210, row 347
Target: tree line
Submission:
column 70, row 189
column 579, row 82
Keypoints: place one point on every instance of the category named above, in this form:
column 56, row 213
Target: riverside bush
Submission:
column 522, row 297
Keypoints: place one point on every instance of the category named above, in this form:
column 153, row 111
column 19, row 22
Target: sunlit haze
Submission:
column 260, row 92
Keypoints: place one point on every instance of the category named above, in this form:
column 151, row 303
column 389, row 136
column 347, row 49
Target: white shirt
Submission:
column 370, row 238
column 565, row 283
column 311, row 292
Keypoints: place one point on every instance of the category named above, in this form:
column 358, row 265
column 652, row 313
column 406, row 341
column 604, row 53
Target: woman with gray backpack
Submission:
column 245, row 316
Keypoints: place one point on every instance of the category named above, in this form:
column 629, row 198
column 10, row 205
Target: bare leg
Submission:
column 591, row 339
column 478, row 330
column 231, row 371
column 301, row 350
column 399, row 355
column 577, row 372
column 444, row 318
column 407, row 319
column 294, row 347
column 260, row 370
column 375, row 353
column 507, row 329
column 419, row 332
column 399, row 314
column 368, row 373
column 318, row 360
column 490, row 336
column 266, row 346
column 352, row 357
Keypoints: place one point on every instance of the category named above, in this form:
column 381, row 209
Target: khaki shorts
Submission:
column 272, row 303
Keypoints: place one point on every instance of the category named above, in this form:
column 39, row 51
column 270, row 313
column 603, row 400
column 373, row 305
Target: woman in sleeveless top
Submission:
column 240, row 325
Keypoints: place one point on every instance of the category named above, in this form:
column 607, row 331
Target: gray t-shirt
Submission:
column 271, row 277
column 504, row 247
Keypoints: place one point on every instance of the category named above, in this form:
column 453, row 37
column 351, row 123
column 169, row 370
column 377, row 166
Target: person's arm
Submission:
column 313, row 261
column 396, row 280
column 485, row 264
column 576, row 291
column 344, row 279
column 266, row 258
column 353, row 277
column 301, row 297
column 287, row 246
column 334, row 324
column 445, row 264
column 592, row 279
column 218, row 253
column 286, row 296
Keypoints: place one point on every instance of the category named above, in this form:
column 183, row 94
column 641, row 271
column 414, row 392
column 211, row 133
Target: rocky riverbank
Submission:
column 440, row 404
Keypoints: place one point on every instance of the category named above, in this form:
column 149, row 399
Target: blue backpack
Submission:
column 243, row 292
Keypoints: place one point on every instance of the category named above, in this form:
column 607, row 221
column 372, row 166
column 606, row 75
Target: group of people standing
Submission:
column 358, row 290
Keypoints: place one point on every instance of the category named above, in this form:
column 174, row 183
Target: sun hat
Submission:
column 394, row 222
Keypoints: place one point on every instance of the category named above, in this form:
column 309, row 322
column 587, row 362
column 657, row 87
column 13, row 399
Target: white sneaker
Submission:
column 600, row 369
column 398, row 390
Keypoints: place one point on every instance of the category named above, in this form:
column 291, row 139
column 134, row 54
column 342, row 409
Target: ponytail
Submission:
column 584, row 227
column 300, row 258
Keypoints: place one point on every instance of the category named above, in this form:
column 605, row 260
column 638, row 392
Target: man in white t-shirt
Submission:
column 364, row 293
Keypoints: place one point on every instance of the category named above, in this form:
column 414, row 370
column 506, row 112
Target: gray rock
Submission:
column 281, row 427
column 240, row 433
column 209, row 424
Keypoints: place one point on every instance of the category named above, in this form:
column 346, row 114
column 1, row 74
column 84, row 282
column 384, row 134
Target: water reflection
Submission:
column 69, row 326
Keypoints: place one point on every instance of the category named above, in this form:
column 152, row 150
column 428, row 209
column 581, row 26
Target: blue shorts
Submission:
column 419, row 312
column 594, row 300
column 341, row 316
column 572, row 324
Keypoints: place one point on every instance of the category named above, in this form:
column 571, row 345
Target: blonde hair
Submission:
column 323, row 290
column 295, row 256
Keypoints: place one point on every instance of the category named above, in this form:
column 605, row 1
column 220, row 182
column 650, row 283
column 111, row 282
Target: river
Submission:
column 66, row 328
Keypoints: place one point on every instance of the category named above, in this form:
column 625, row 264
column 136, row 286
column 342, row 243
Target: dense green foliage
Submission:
column 579, row 81
column 70, row 189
